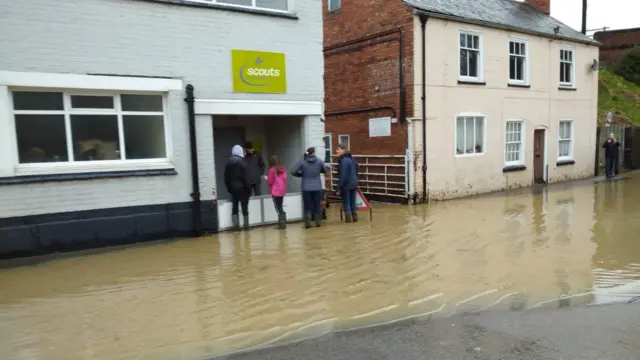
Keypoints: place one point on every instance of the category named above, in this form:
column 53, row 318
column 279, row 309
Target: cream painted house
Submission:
column 511, row 97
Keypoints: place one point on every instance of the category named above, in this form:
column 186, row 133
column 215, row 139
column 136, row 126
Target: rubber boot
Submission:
column 282, row 221
column 307, row 220
column 354, row 216
column 245, row 225
column 347, row 217
column 318, row 219
column 235, row 223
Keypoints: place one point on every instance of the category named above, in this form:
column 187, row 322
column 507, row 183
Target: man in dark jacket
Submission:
column 347, row 182
column 309, row 169
column 610, row 147
column 255, row 168
column 237, row 183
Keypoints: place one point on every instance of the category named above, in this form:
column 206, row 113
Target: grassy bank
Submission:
column 619, row 96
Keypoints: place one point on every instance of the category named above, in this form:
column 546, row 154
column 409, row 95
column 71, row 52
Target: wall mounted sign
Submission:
column 380, row 127
column 258, row 72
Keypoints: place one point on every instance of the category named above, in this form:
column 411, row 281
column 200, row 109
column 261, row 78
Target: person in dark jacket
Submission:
column 610, row 147
column 309, row 169
column 347, row 182
column 237, row 182
column 255, row 167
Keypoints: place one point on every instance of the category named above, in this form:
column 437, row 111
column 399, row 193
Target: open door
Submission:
column 538, row 156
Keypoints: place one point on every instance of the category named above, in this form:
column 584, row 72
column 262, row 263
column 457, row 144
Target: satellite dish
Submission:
column 594, row 65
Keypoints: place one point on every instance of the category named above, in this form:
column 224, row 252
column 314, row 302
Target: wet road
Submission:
column 572, row 245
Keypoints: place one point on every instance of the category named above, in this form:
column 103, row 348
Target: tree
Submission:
column 629, row 67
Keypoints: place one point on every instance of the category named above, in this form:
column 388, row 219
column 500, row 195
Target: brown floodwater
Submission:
column 574, row 244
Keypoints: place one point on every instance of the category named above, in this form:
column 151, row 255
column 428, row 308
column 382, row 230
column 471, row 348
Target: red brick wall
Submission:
column 367, row 76
column 616, row 43
column 543, row 5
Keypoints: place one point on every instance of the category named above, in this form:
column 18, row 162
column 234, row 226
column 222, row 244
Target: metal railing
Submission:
column 380, row 175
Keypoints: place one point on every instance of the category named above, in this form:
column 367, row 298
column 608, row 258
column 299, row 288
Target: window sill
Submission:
column 468, row 155
column 565, row 162
column 195, row 3
column 471, row 82
column 513, row 168
column 30, row 179
column 112, row 166
column 524, row 86
column 567, row 88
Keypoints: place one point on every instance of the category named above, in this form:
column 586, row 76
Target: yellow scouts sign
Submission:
column 258, row 72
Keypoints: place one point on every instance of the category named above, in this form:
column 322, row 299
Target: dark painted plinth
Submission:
column 82, row 230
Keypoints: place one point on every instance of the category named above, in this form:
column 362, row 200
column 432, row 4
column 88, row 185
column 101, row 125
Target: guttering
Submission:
column 196, row 211
column 367, row 41
column 423, row 27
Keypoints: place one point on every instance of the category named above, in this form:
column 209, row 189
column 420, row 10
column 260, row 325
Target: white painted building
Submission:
column 94, row 128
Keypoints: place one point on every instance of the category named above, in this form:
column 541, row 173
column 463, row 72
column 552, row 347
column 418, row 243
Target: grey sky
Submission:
column 615, row 14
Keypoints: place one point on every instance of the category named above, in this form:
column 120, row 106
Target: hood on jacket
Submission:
column 237, row 150
column 347, row 155
column 311, row 159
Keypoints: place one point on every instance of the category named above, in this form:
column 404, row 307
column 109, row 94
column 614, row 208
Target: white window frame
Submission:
column 525, row 70
column 336, row 8
column 521, row 160
column 348, row 142
column 572, row 83
column 330, row 148
column 455, row 134
column 480, row 49
column 571, row 140
column 78, row 85
column 253, row 5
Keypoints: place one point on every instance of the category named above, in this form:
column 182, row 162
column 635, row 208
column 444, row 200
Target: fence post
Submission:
column 596, row 166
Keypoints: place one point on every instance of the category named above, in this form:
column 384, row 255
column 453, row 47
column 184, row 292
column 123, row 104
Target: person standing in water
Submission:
column 611, row 147
column 237, row 182
column 309, row 169
column 277, row 181
column 255, row 168
column 347, row 182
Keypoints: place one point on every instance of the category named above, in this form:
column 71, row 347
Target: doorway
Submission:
column 539, row 156
column 224, row 138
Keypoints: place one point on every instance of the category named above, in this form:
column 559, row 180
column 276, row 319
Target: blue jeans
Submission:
column 348, row 200
column 610, row 165
column 312, row 201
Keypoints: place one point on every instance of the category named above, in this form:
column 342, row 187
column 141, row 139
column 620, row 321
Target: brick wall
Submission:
column 366, row 74
column 542, row 5
column 616, row 43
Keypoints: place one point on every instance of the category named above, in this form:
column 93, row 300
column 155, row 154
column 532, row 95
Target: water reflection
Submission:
column 571, row 245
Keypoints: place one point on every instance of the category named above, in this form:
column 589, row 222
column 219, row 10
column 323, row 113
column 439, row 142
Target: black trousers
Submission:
column 240, row 197
column 277, row 202
column 256, row 189
column 610, row 165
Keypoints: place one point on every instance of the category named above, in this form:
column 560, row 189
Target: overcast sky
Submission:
column 615, row 14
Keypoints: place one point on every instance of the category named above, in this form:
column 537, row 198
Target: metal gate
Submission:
column 379, row 175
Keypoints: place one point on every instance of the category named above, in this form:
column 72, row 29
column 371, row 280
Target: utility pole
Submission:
column 584, row 17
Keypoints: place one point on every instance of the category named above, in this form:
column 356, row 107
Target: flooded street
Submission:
column 575, row 244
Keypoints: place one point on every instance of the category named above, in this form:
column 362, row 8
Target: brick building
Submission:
column 616, row 43
column 97, row 143
column 391, row 109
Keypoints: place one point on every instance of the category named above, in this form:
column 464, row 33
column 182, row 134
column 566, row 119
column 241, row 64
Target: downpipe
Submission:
column 423, row 26
column 196, row 211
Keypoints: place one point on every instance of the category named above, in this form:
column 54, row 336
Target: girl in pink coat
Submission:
column 277, row 180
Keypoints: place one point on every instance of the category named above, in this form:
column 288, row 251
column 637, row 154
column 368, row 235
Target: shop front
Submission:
column 279, row 127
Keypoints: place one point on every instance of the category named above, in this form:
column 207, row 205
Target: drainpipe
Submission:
column 196, row 212
column 423, row 25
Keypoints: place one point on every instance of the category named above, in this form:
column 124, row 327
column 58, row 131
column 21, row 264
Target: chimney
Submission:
column 542, row 5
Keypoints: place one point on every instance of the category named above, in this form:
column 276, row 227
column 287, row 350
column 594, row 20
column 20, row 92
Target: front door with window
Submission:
column 538, row 156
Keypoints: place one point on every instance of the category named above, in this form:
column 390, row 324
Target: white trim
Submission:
column 92, row 166
column 545, row 164
column 572, row 84
column 527, row 77
column 252, row 7
column 256, row 107
column 338, row 7
column 87, row 82
column 479, row 34
column 330, row 148
column 522, row 143
column 570, row 157
column 455, row 133
column 348, row 142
